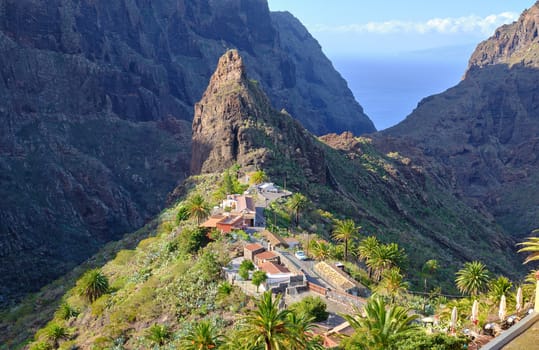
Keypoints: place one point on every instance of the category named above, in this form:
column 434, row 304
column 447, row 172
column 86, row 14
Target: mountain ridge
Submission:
column 482, row 133
column 96, row 99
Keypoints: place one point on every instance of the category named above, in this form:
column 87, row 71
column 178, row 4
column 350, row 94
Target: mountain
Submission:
column 483, row 134
column 389, row 194
column 96, row 105
column 166, row 281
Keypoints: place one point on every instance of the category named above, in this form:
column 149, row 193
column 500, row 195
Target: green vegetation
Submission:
column 345, row 231
column 380, row 326
column 258, row 177
column 229, row 184
column 245, row 267
column 174, row 276
column 530, row 246
column 473, row 278
column 93, row 284
column 197, row 207
column 259, row 277
column 269, row 328
column 297, row 203
column 158, row 334
column 311, row 307
column 204, row 336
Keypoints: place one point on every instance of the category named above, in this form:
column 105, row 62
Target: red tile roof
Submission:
column 266, row 255
column 273, row 268
column 212, row 221
column 253, row 246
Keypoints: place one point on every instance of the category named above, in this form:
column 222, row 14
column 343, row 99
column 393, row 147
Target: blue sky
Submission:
column 395, row 53
column 361, row 27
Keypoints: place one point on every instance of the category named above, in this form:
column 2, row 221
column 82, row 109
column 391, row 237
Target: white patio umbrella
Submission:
column 475, row 312
column 519, row 299
column 502, row 311
column 453, row 323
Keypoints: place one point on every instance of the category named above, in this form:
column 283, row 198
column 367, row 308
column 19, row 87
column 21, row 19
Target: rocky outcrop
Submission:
column 482, row 135
column 235, row 124
column 330, row 107
column 96, row 105
column 346, row 175
column 516, row 43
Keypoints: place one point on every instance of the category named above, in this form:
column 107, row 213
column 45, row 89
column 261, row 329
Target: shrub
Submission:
column 245, row 267
column 159, row 334
column 41, row 346
column 311, row 307
column 66, row 311
column 423, row 341
column 93, row 284
column 259, row 277
column 182, row 214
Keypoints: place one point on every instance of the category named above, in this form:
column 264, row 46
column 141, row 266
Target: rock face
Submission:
column 235, row 124
column 96, row 105
column 343, row 174
column 483, row 134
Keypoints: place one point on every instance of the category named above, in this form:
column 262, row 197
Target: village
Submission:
column 279, row 263
column 287, row 268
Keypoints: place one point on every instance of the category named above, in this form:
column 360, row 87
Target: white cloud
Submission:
column 484, row 25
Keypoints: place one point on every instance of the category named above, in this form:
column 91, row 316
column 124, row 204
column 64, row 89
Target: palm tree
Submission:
column 266, row 327
column 198, row 208
column 472, row 278
column 258, row 177
column 54, row 333
column 320, row 250
column 297, row 203
column 301, row 328
column 392, row 284
column 203, row 336
column 531, row 246
column 344, row 231
column 259, row 277
column 428, row 270
column 93, row 284
column 498, row 287
column 366, row 250
column 159, row 334
column 380, row 324
column 384, row 257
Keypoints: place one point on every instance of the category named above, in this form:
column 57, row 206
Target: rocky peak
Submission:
column 226, row 103
column 234, row 123
column 515, row 43
column 230, row 71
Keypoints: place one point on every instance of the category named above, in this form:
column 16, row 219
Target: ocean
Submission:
column 389, row 88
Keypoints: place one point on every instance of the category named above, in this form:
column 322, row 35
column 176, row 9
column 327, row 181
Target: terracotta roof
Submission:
column 230, row 220
column 266, row 255
column 245, row 203
column 253, row 246
column 212, row 221
column 274, row 239
column 273, row 268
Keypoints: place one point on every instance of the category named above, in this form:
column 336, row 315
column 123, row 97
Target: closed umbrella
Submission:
column 503, row 309
column 475, row 312
column 519, row 299
column 453, row 323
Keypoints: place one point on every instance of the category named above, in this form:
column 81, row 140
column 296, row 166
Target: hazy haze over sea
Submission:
column 390, row 87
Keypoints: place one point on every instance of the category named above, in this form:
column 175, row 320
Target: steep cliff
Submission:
column 483, row 134
column 96, row 105
column 235, row 124
column 164, row 281
column 394, row 197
